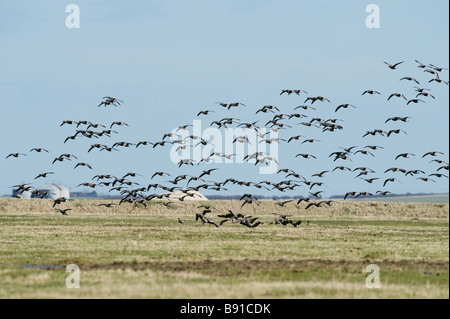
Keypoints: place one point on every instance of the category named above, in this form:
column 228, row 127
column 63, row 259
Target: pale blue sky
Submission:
column 170, row 59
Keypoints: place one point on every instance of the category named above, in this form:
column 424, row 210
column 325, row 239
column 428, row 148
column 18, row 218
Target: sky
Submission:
column 168, row 60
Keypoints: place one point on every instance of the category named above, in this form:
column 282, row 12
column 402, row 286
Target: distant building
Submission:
column 64, row 191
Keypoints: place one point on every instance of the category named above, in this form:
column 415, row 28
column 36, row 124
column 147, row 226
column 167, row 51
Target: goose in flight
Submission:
column 15, row 155
column 426, row 94
column 346, row 150
column 64, row 211
column 107, row 205
column 433, row 154
column 397, row 95
column 289, row 92
column 318, row 98
column 342, row 156
column 395, row 169
column 371, row 92
column 83, row 164
column 108, row 149
column 350, row 194
column 131, row 174
column 421, row 65
column 311, row 141
column 345, row 106
column 375, row 132
column 317, row 194
column 393, row 66
column 185, row 162
column 250, row 125
column 370, row 180
column 390, row 180
column 363, row 173
column 439, row 161
column 437, row 68
column 162, row 143
column 91, row 125
column 438, row 81
column 145, row 143
column 170, row 135
column 342, row 168
column 118, row 124
column 365, row 194
column 306, row 156
column 318, row 205
column 283, row 204
column 122, row 144
column 99, row 146
column 108, row 100
column 68, row 123
column 296, row 115
column 374, row 147
column 183, row 128
column 421, row 90
column 44, row 175
column 90, row 185
column 321, row 174
column 364, row 169
column 426, row 179
column 73, row 137
column 208, row 172
column 398, row 118
column 414, row 172
column 304, row 107
column 268, row 108
column 229, row 106
column 415, row 101
column 404, row 155
column 207, row 112
column 39, row 150
column 408, row 78
column 398, row 131
column 298, row 137
column 61, row 200
column 364, row 152
column 62, row 158
column 439, row 175
column 295, row 175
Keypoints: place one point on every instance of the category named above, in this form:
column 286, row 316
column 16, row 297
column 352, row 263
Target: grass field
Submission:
column 128, row 252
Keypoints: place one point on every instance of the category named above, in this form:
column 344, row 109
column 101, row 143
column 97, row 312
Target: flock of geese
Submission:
column 137, row 194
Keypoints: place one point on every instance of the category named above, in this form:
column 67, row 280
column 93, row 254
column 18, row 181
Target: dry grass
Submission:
column 338, row 209
column 145, row 253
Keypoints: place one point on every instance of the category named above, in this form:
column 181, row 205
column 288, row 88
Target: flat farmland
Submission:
column 138, row 252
